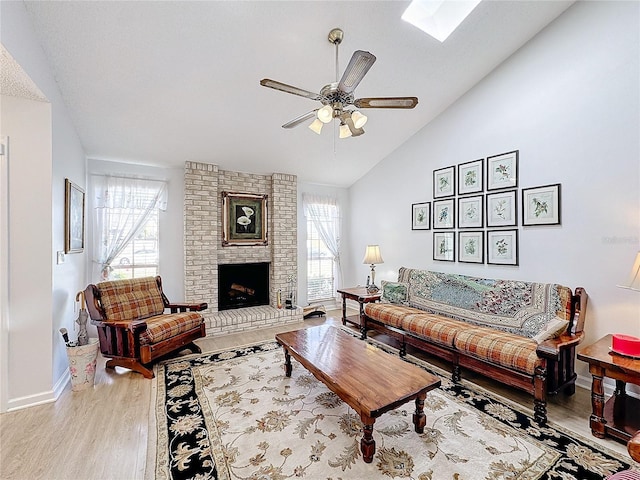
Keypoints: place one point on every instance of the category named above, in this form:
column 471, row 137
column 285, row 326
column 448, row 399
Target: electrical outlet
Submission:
column 60, row 258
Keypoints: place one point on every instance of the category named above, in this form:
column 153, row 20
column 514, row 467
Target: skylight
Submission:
column 438, row 18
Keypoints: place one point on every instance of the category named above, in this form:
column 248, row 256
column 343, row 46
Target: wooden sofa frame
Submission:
column 556, row 372
column 120, row 340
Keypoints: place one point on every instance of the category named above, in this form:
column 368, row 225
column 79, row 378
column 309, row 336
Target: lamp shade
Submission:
column 633, row 282
column 325, row 114
column 372, row 255
column 358, row 119
column 316, row 126
column 345, row 131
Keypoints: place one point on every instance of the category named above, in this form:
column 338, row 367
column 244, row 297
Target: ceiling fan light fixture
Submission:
column 316, row 126
column 345, row 131
column 358, row 119
column 325, row 114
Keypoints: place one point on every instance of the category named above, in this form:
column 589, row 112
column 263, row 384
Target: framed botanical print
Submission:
column 421, row 216
column 444, row 182
column 470, row 177
column 502, row 209
column 502, row 171
column 470, row 212
column 471, row 247
column 444, row 246
column 502, row 247
column 444, row 214
column 73, row 217
column 541, row 205
column 244, row 219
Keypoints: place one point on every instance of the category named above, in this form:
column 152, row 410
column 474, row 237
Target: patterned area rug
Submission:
column 235, row 415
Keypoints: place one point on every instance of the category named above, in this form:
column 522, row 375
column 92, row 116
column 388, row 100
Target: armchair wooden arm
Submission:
column 132, row 325
column 186, row 307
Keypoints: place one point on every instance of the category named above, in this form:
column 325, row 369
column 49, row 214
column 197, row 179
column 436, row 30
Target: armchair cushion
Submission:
column 134, row 299
column 163, row 327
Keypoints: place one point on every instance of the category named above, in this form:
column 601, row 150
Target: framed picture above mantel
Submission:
column 244, row 219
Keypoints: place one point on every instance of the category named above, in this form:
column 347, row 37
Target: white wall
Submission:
column 42, row 156
column 342, row 194
column 171, row 228
column 568, row 100
column 28, row 124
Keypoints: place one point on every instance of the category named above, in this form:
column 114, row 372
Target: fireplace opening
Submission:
column 242, row 285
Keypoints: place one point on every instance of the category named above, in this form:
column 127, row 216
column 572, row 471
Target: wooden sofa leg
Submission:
column 570, row 390
column 540, row 395
column 403, row 349
column 131, row 364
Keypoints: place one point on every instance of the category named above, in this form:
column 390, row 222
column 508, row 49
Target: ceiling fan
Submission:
column 338, row 98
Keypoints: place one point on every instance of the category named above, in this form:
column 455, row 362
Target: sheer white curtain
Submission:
column 324, row 212
column 121, row 207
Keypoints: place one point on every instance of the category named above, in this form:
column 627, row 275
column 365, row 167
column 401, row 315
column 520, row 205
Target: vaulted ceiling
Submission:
column 161, row 83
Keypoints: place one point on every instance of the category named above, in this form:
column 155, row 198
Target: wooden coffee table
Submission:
column 369, row 380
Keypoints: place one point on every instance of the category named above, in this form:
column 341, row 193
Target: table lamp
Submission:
column 628, row 345
column 372, row 257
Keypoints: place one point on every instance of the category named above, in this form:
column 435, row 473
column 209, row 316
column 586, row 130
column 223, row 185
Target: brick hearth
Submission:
column 203, row 187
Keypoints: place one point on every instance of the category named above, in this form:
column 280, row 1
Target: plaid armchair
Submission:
column 132, row 327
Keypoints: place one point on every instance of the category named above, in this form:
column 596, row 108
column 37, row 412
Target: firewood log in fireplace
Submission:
column 237, row 289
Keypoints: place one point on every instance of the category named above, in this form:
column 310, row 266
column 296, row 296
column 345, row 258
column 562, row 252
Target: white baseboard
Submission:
column 61, row 383
column 30, row 401
column 40, row 398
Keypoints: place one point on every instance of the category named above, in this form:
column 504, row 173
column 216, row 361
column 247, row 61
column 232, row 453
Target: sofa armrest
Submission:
column 183, row 307
column 552, row 347
column 580, row 300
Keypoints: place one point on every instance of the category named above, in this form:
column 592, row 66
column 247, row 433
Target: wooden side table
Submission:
column 618, row 417
column 360, row 295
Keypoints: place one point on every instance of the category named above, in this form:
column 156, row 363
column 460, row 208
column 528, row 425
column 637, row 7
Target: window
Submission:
column 126, row 221
column 323, row 247
column 320, row 281
column 139, row 257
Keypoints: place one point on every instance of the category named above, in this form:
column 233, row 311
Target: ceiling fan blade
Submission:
column 386, row 102
column 358, row 67
column 302, row 118
column 283, row 87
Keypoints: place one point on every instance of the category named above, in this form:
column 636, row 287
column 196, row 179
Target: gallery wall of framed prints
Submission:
column 475, row 210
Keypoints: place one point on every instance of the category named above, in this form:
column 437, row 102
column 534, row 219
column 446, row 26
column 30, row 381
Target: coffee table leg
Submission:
column 419, row 418
column 367, row 444
column 344, row 309
column 287, row 363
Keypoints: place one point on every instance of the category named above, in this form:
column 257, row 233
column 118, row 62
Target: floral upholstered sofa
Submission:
column 523, row 334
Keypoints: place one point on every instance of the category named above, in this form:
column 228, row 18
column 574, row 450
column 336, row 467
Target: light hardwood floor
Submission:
column 101, row 433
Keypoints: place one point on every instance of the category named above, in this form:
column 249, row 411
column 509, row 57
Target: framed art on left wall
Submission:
column 73, row 217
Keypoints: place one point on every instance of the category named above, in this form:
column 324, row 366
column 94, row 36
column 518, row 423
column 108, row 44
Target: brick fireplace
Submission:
column 203, row 250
